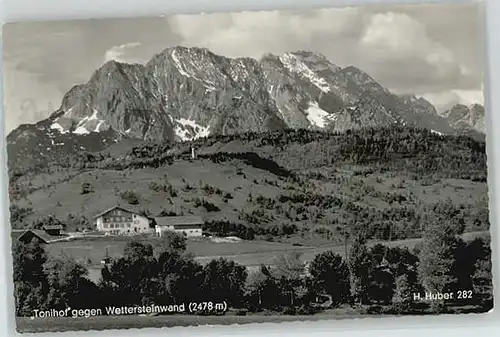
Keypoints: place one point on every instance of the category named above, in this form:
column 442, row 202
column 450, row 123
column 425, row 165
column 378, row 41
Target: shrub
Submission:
column 130, row 196
column 86, row 188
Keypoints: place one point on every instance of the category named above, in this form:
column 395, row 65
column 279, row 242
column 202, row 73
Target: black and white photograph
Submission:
column 247, row 167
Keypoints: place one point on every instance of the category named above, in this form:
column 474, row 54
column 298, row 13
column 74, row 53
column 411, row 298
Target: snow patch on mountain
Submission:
column 188, row 129
column 85, row 125
column 98, row 127
column 294, row 65
column 81, row 130
column 68, row 112
column 317, row 116
column 58, row 127
column 94, row 115
column 178, row 64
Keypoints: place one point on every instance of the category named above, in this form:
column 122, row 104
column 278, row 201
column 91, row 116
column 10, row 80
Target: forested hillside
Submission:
column 295, row 185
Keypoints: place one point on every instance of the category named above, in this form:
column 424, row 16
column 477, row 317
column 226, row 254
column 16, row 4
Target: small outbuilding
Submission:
column 190, row 226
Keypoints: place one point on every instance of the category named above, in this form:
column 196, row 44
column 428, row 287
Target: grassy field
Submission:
column 95, row 249
column 64, row 192
column 91, row 251
column 247, row 253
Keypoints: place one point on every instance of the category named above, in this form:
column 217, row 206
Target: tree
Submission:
column 381, row 285
column 288, row 271
column 18, row 215
column 261, row 290
column 77, row 222
column 482, row 279
column 86, row 188
column 136, row 250
column 224, row 280
column 30, row 283
column 170, row 241
column 30, row 297
column 360, row 267
column 132, row 279
column 437, row 259
column 131, row 197
column 180, row 277
column 381, row 279
column 402, row 298
column 68, row 284
column 28, row 261
column 289, row 266
column 401, row 260
column 331, row 275
column 465, row 257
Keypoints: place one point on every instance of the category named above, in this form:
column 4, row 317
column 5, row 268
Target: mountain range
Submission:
column 185, row 93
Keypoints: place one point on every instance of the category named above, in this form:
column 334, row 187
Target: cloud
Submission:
column 116, row 53
column 25, row 100
column 399, row 36
column 43, row 60
column 256, row 33
column 447, row 99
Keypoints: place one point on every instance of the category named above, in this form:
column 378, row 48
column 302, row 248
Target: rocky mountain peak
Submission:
column 359, row 78
column 466, row 117
column 184, row 93
column 309, row 67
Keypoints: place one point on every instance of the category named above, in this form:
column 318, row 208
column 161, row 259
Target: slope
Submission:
column 290, row 186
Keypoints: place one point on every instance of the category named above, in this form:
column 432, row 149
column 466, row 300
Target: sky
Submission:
column 433, row 50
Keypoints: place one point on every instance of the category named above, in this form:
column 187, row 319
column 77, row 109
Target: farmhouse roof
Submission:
column 17, row 233
column 113, row 208
column 41, row 235
column 179, row 220
column 51, row 227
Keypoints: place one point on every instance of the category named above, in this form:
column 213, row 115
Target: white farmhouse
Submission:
column 190, row 226
column 120, row 221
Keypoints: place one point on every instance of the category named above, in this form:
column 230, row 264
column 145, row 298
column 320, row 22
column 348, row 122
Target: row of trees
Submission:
column 163, row 273
column 415, row 152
